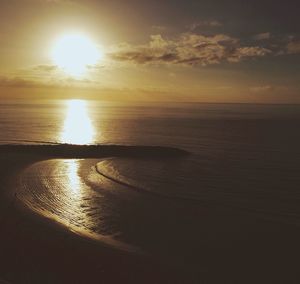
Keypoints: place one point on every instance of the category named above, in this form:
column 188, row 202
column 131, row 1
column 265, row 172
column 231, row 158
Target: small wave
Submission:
column 227, row 199
column 121, row 180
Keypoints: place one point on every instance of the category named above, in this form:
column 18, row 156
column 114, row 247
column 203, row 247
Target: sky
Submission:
column 230, row 51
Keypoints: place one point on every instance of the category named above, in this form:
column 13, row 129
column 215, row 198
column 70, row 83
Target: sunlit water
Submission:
column 57, row 189
column 78, row 127
column 243, row 157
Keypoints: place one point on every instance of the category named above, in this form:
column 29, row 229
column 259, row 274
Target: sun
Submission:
column 74, row 53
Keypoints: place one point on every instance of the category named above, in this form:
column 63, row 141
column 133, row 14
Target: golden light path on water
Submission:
column 77, row 127
column 73, row 177
column 60, row 189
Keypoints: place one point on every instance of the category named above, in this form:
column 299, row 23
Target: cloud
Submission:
column 244, row 52
column 187, row 49
column 293, row 47
column 261, row 89
column 45, row 68
column 262, row 36
column 24, row 82
column 15, row 82
column 278, row 92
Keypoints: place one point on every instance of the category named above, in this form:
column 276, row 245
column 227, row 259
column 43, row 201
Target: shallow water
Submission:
column 244, row 158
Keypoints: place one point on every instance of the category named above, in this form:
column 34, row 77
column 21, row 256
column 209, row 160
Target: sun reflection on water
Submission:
column 72, row 175
column 72, row 192
column 74, row 198
column 78, row 128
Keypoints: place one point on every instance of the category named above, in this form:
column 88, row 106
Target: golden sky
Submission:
column 191, row 50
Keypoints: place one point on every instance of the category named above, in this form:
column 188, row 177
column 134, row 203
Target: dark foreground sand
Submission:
column 35, row 250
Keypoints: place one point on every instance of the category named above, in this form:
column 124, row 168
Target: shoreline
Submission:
column 35, row 249
column 244, row 249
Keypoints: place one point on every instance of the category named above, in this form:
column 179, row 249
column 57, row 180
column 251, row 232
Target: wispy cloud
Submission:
column 293, row 47
column 17, row 82
column 28, row 82
column 261, row 88
column 262, row 36
column 45, row 68
column 188, row 49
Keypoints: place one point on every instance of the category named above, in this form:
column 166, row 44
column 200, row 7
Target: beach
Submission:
column 234, row 249
column 35, row 250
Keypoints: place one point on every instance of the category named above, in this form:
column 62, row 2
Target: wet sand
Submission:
column 235, row 249
column 36, row 250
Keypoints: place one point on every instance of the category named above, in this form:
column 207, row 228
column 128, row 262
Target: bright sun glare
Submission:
column 78, row 127
column 74, row 53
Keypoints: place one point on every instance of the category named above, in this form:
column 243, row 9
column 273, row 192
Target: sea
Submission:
column 243, row 166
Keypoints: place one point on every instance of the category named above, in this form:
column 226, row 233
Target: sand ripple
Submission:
column 60, row 190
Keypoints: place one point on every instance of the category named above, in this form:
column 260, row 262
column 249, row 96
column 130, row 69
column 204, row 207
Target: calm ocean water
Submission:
column 243, row 157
